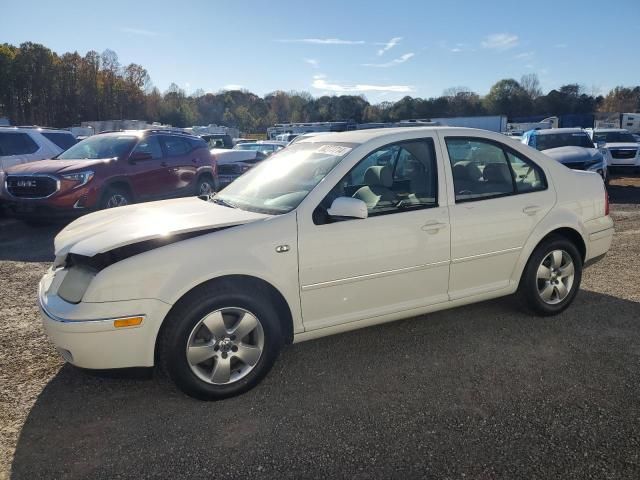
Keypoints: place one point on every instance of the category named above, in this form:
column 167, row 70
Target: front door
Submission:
column 500, row 196
column 395, row 260
column 150, row 178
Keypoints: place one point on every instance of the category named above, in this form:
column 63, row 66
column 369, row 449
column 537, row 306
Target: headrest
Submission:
column 497, row 173
column 378, row 176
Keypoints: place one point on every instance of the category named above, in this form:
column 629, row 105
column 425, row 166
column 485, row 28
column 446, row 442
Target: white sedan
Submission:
column 333, row 233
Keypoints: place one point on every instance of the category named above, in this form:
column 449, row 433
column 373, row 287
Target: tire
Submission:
column 534, row 289
column 205, row 186
column 185, row 332
column 115, row 197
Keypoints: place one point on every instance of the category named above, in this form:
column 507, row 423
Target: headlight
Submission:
column 80, row 178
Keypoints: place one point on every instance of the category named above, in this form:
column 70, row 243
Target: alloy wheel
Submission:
column 205, row 188
column 116, row 200
column 225, row 346
column 555, row 277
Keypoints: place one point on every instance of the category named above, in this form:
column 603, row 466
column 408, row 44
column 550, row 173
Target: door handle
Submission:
column 163, row 164
column 531, row 209
column 433, row 227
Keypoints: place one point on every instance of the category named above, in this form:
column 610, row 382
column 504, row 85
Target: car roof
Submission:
column 605, row 130
column 551, row 131
column 17, row 128
column 363, row 136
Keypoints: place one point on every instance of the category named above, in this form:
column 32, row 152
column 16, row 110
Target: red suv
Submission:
column 110, row 170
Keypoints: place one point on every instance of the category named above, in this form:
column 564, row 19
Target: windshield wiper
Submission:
column 220, row 201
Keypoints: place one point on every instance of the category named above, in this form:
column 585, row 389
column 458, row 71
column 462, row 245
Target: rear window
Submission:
column 16, row 143
column 62, row 140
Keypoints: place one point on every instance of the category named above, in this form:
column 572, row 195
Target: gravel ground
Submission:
column 479, row 392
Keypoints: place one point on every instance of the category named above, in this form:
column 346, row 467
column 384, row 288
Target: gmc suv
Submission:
column 111, row 169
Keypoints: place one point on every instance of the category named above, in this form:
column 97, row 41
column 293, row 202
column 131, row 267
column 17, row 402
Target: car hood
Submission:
column 106, row 230
column 56, row 166
column 573, row 154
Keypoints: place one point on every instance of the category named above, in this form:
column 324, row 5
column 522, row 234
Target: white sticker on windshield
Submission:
column 335, row 150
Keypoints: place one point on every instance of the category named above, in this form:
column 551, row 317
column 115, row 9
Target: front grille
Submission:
column 228, row 169
column 31, row 186
column 626, row 153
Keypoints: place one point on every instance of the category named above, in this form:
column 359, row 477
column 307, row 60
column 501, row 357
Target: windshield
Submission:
column 258, row 147
column 555, row 140
column 614, row 137
column 281, row 182
column 99, row 146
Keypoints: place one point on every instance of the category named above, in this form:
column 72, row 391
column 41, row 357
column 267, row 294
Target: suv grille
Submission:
column 625, row 153
column 29, row 186
column 229, row 169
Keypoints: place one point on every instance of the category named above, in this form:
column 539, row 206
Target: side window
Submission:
column 149, row 145
column 62, row 140
column 529, row 177
column 480, row 169
column 393, row 179
column 16, row 143
column 176, row 146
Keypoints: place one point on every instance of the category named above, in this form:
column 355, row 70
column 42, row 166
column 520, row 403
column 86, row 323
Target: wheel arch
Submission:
column 570, row 232
column 117, row 183
column 248, row 282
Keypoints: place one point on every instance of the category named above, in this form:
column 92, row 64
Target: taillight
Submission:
column 606, row 203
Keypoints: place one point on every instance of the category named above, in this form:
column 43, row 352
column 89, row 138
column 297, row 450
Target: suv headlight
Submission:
column 80, row 178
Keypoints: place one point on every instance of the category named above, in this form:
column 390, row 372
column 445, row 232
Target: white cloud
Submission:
column 395, row 61
column 312, row 61
column 233, row 86
column 389, row 45
column 456, row 50
column 324, row 41
column 500, row 41
column 524, row 55
column 320, row 83
column 139, row 31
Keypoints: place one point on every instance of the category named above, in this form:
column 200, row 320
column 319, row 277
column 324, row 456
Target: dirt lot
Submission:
column 481, row 391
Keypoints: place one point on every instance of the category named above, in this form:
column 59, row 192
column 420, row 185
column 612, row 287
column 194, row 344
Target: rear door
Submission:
column 498, row 198
column 181, row 162
column 150, row 178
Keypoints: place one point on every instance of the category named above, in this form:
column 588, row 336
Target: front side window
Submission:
column 16, row 143
column 483, row 170
column 150, row 146
column 392, row 179
column 100, row 146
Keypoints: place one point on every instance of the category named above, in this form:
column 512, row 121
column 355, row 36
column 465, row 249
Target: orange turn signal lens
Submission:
column 127, row 322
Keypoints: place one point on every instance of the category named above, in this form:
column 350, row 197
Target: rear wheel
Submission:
column 115, row 197
column 220, row 342
column 552, row 276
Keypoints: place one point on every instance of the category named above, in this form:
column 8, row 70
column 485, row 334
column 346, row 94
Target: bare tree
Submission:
column 531, row 85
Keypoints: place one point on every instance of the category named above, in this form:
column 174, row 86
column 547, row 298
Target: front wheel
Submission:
column 115, row 197
column 220, row 342
column 205, row 186
column 552, row 276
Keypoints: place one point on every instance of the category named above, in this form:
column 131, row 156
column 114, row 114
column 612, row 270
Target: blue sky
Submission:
column 384, row 50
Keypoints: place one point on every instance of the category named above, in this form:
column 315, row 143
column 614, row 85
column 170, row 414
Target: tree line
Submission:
column 40, row 87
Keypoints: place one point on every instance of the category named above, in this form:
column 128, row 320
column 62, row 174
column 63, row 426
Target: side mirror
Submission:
column 347, row 207
column 601, row 143
column 140, row 156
